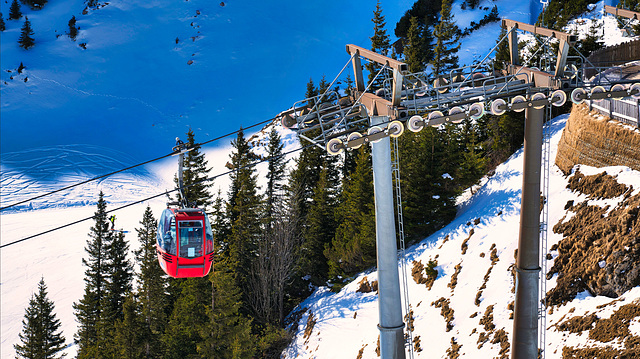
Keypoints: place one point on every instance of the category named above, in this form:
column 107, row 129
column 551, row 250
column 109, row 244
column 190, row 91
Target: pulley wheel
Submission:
column 516, row 100
column 617, row 87
column 578, row 95
column 498, row 107
column 335, row 146
column 635, row 87
column 538, row 96
column 352, row 137
column 373, row 130
column 558, row 98
column 415, row 123
column 476, row 111
column 395, row 128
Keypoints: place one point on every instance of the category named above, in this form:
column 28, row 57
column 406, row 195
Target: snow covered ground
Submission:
column 492, row 214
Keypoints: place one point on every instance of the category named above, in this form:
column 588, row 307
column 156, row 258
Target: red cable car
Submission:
column 184, row 238
column 185, row 242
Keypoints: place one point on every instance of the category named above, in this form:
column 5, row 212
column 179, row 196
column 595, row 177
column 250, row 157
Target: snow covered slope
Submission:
column 467, row 308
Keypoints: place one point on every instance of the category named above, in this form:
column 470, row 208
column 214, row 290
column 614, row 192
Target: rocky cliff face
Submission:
column 600, row 251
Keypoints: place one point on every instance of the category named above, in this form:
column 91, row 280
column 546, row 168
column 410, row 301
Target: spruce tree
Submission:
column 502, row 52
column 14, row 10
column 243, row 211
column 88, row 310
column 129, row 333
column 119, row 277
column 41, row 337
column 73, row 30
column 275, row 174
column 320, row 232
column 227, row 333
column 35, row 4
column 2, row 24
column 182, row 335
column 311, row 93
column 380, row 44
column 26, row 40
column 354, row 246
column 152, row 286
column 447, row 36
column 414, row 54
column 195, row 172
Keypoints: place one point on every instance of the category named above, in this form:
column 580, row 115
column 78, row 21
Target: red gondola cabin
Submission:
column 185, row 242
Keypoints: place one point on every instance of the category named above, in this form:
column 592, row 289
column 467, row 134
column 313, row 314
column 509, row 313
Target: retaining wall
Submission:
column 595, row 140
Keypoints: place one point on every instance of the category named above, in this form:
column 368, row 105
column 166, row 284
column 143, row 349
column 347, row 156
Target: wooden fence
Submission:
column 612, row 56
column 625, row 110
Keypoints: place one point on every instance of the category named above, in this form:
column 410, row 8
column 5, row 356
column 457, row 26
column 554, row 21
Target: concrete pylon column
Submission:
column 390, row 306
column 525, row 324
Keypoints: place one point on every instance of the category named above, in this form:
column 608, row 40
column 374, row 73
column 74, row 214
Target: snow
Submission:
column 497, row 207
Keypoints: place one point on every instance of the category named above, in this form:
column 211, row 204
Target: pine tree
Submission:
column 119, row 277
column 40, row 337
column 447, row 36
column 380, row 44
column 414, row 54
column 502, row 52
column 354, row 246
column 152, row 286
column 320, row 232
column 183, row 332
column 14, row 10
column 2, row 24
column 26, row 40
column 88, row 310
column 195, row 172
column 275, row 174
column 227, row 333
column 73, row 30
column 129, row 333
column 243, row 211
column 311, row 93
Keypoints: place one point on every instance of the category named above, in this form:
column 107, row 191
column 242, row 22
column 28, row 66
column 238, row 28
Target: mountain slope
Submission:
column 467, row 309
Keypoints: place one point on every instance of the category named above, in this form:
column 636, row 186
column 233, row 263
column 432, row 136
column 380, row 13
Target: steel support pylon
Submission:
column 525, row 324
column 390, row 305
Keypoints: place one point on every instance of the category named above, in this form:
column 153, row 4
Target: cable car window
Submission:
column 167, row 232
column 191, row 238
column 208, row 246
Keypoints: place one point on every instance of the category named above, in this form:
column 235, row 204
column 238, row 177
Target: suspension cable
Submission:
column 154, row 196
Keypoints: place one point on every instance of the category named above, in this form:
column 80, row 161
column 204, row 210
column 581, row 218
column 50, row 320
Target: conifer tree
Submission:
column 414, row 54
column 88, row 310
column 354, row 246
column 129, row 333
column 321, row 230
column 227, row 333
column 26, row 40
column 312, row 92
column 243, row 211
column 152, row 286
column 41, row 337
column 119, row 277
column 14, row 10
column 275, row 174
column 195, row 171
column 35, row 4
column 502, row 52
column 380, row 44
column 2, row 24
column 183, row 332
column 447, row 36
column 73, row 30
